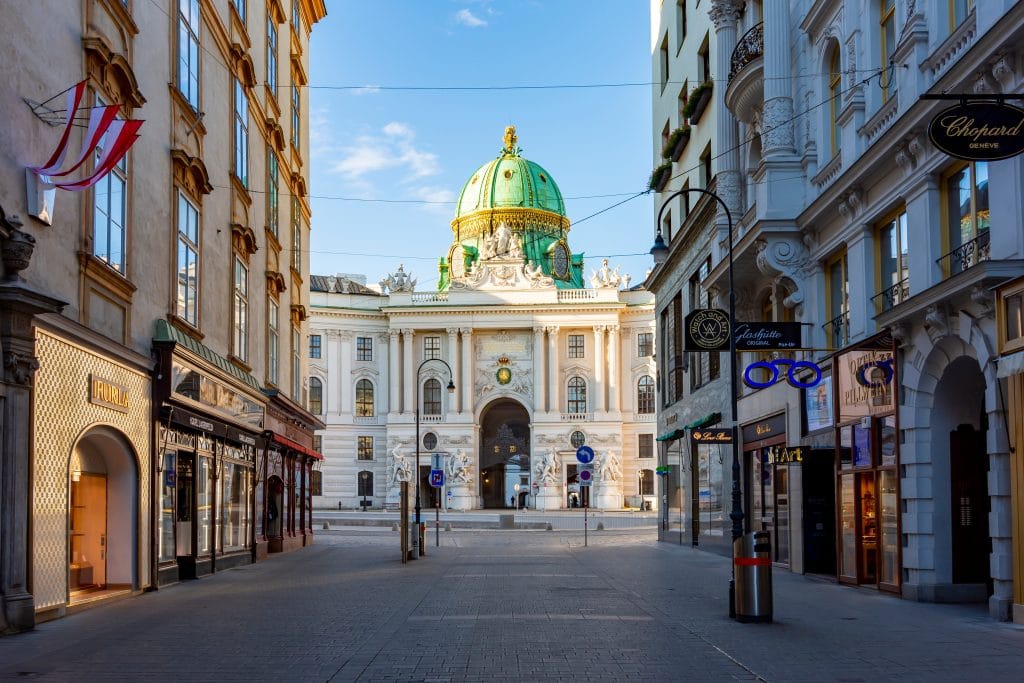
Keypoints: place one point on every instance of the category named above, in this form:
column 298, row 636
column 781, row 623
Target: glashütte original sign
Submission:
column 979, row 131
column 767, row 335
column 105, row 393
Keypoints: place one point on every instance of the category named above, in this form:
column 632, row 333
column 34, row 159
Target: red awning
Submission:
column 295, row 446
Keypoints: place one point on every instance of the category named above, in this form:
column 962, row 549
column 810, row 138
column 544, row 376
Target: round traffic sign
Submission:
column 586, row 475
column 585, row 454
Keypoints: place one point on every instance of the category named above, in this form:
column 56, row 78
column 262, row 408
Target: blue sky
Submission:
column 374, row 143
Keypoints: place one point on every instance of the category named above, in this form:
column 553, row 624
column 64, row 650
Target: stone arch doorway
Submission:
column 103, row 514
column 959, row 453
column 504, row 453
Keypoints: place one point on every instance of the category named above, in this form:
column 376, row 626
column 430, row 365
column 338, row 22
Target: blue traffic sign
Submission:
column 437, row 478
column 586, row 475
column 585, row 454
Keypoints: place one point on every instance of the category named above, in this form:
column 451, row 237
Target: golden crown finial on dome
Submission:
column 510, row 140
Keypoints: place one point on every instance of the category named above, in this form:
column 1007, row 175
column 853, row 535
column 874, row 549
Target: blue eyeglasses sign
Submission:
column 775, row 374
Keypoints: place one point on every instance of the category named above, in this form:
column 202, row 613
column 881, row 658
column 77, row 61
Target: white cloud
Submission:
column 467, row 18
column 441, row 199
column 393, row 149
column 367, row 90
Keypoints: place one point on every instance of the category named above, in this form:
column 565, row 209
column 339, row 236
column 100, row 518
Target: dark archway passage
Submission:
column 504, row 453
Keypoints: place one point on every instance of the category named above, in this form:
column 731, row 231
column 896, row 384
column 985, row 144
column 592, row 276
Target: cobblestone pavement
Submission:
column 512, row 606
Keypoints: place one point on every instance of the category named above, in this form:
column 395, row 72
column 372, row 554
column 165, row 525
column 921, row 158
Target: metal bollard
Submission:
column 752, row 561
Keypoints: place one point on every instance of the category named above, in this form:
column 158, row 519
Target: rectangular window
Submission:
column 645, row 344
column 680, row 23
column 110, row 209
column 704, row 60
column 887, row 37
column 296, row 120
column 705, row 167
column 296, row 17
column 894, row 273
column 240, row 7
column 167, row 490
column 646, row 482
column 365, row 484
column 967, row 217
column 704, row 367
column 272, row 55
column 663, row 52
column 273, row 343
column 273, row 184
column 241, row 310
column 431, row 348
column 318, row 443
column 296, row 368
column 364, row 348
column 296, row 235
column 364, row 447
column 666, row 227
column 684, row 94
column 188, row 51
column 576, row 346
column 432, row 397
column 835, row 80
column 314, row 346
column 676, row 339
column 241, row 134
column 188, row 261
column 958, row 11
column 645, row 445
column 838, row 312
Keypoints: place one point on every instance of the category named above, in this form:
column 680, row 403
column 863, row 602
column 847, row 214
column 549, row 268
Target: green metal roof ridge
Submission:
column 166, row 332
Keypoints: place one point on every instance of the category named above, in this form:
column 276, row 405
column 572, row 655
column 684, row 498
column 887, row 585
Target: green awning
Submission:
column 713, row 418
column 672, row 436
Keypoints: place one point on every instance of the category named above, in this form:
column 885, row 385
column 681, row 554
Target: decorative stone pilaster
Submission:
column 777, row 122
column 19, row 306
column 393, row 356
column 553, row 387
column 466, row 370
column 408, row 373
column 540, row 396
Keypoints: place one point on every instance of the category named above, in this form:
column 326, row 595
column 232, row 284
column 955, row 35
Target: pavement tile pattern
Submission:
column 500, row 605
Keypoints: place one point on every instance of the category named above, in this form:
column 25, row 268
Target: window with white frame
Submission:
column 110, row 210
column 241, row 134
column 240, row 306
column 431, row 347
column 645, row 395
column 188, row 51
column 296, row 367
column 431, row 397
column 364, row 447
column 364, row 348
column 576, row 346
column 272, row 55
column 645, row 446
column 273, row 343
column 316, row 396
column 240, row 8
column 315, row 345
column 576, row 396
column 188, row 261
column 364, row 398
column 645, row 344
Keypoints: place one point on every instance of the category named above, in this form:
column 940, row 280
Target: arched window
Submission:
column 364, row 398
column 646, row 482
column 431, row 397
column 835, row 79
column 577, row 395
column 316, row 396
column 645, row 395
column 365, row 483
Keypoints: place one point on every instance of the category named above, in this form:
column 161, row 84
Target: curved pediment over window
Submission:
column 112, row 73
column 190, row 172
column 244, row 68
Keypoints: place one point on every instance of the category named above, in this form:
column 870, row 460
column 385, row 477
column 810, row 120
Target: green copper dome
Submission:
column 510, row 181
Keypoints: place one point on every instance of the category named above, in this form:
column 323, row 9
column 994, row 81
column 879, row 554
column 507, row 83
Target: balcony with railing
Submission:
column 837, row 330
column 431, row 418
column 967, row 255
column 891, row 296
column 745, row 91
column 576, row 417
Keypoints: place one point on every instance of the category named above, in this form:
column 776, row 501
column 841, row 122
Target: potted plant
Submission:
column 698, row 102
column 659, row 177
column 676, row 143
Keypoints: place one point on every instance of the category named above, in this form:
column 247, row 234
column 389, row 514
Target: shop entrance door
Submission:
column 968, row 469
column 88, row 533
column 819, row 485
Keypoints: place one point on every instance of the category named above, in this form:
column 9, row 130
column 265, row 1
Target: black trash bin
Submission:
column 752, row 559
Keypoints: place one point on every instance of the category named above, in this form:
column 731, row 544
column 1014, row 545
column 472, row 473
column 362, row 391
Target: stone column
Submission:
column 19, row 305
column 553, row 383
column 539, row 395
column 613, row 368
column 453, row 399
column 344, row 379
column 466, row 370
column 725, row 160
column 393, row 395
column 599, row 365
column 332, row 390
column 777, row 124
column 408, row 373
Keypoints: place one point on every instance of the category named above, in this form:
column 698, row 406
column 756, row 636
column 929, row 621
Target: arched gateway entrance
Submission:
column 504, row 454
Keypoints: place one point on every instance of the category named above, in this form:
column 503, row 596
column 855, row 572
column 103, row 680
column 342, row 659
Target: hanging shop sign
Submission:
column 865, row 378
column 802, row 374
column 711, row 435
column 782, row 455
column 979, row 131
column 706, row 329
column 767, row 336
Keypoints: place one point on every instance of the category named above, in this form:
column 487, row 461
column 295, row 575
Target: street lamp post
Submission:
column 419, row 399
column 660, row 252
column 365, row 476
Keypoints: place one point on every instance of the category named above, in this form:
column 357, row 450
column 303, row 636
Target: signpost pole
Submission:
column 586, row 508
column 437, row 521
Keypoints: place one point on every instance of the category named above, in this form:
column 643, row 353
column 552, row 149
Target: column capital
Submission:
column 408, row 332
column 538, row 330
column 384, row 337
column 466, row 331
column 551, row 329
column 333, row 335
column 725, row 13
column 392, row 333
column 600, row 328
column 614, row 328
column 345, row 335
column 452, row 331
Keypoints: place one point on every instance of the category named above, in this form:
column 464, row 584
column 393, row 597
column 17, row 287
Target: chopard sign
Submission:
column 979, row 131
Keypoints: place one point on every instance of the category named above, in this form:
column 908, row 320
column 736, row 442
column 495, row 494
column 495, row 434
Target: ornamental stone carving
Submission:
column 398, row 282
column 609, row 466
column 936, row 322
column 19, row 368
column 608, row 277
column 16, row 249
column 725, row 13
column 777, row 126
column 547, row 467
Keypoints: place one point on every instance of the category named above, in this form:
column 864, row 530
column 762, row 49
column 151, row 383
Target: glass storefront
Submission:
column 769, row 499
column 711, row 491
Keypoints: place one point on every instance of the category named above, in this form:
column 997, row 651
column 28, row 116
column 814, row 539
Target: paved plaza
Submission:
column 501, row 605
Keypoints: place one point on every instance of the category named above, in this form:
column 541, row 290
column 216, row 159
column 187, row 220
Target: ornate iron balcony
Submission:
column 966, row 255
column 749, row 48
column 838, row 330
column 891, row 296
